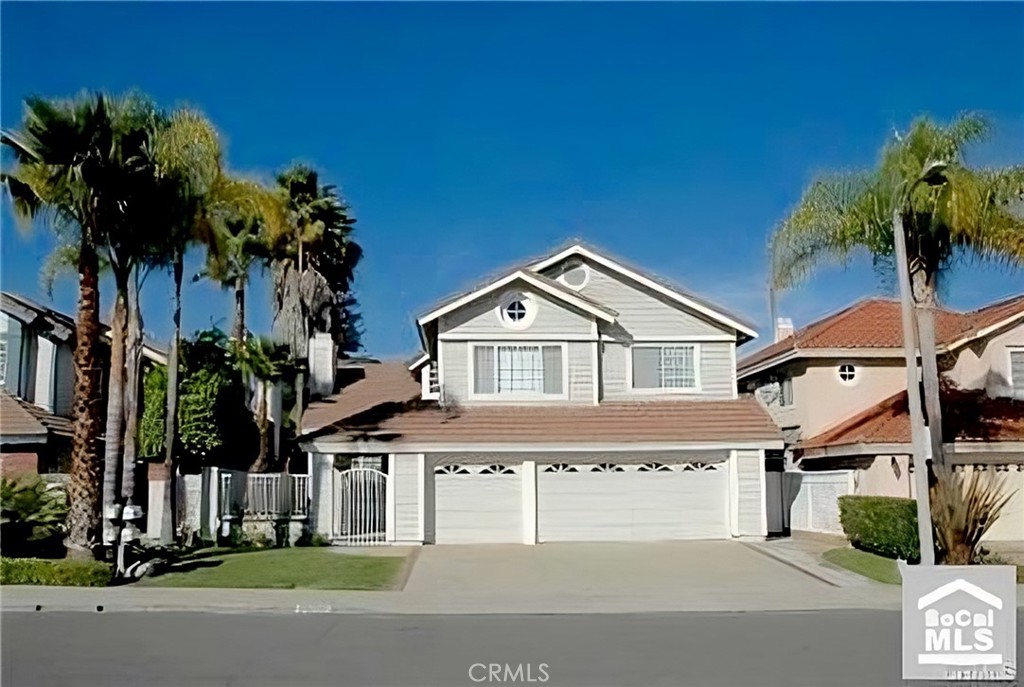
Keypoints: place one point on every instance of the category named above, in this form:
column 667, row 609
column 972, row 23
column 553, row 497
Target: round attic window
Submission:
column 516, row 311
column 575, row 276
column 847, row 373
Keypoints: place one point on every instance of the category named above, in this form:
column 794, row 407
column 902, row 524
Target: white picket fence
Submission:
column 266, row 496
column 814, row 499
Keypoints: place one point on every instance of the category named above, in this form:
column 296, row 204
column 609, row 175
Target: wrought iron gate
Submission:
column 359, row 512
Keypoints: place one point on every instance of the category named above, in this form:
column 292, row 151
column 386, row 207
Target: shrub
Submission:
column 65, row 573
column 31, row 516
column 884, row 525
column 312, row 539
column 964, row 506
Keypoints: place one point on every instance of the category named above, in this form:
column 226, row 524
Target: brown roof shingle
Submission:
column 875, row 323
column 15, row 420
column 743, row 419
column 384, row 383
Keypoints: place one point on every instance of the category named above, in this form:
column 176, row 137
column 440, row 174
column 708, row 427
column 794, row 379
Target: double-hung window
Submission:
column 517, row 370
column 672, row 367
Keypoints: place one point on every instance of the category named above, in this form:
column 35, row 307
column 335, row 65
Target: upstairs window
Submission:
column 786, row 392
column 1017, row 372
column 517, row 370
column 666, row 367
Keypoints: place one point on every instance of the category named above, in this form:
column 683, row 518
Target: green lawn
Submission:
column 867, row 564
column 876, row 567
column 292, row 568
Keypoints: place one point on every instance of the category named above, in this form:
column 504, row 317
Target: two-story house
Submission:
column 37, row 378
column 837, row 390
column 574, row 397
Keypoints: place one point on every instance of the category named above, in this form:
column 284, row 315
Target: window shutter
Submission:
column 552, row 369
column 1017, row 371
column 483, row 369
column 645, row 367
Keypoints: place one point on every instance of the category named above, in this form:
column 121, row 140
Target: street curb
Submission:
column 792, row 564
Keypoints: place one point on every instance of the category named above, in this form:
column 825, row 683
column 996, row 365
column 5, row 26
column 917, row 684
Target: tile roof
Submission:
column 15, row 420
column 875, row 323
column 966, row 416
column 738, row 420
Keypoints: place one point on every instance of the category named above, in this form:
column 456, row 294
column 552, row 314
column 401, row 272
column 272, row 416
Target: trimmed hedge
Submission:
column 885, row 525
column 63, row 573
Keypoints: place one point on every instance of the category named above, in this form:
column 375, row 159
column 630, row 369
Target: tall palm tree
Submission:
column 943, row 209
column 62, row 154
column 313, row 268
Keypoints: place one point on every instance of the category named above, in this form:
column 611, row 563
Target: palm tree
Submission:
column 260, row 360
column 923, row 194
column 313, row 268
column 62, row 156
column 244, row 218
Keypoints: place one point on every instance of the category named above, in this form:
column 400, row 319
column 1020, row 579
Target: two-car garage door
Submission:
column 631, row 502
column 622, row 502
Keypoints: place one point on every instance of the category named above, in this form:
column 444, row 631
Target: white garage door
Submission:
column 632, row 503
column 478, row 504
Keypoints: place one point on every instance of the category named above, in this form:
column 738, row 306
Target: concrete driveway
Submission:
column 616, row 577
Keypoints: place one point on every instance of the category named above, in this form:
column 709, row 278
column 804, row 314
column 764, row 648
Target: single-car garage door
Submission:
column 478, row 504
column 647, row 502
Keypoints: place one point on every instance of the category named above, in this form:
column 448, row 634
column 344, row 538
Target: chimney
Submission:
column 783, row 328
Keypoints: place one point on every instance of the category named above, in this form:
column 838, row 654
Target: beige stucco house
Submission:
column 837, row 390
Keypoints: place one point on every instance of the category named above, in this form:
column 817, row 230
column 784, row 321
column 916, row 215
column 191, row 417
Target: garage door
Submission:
column 478, row 504
column 632, row 502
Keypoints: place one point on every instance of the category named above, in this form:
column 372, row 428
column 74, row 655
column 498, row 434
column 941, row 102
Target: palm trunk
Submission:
column 84, row 487
column 133, row 367
column 113, row 436
column 238, row 326
column 262, row 463
column 925, row 303
column 169, row 524
column 918, row 437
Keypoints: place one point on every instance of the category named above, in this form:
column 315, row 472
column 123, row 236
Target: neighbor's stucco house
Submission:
column 837, row 391
column 573, row 397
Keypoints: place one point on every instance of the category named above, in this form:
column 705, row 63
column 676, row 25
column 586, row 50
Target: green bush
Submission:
column 63, row 573
column 312, row 539
column 31, row 516
column 885, row 525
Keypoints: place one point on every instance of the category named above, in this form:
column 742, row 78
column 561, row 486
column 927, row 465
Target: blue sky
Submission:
column 469, row 136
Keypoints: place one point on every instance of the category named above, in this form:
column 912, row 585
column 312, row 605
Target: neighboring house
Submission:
column 837, row 390
column 37, row 375
column 572, row 398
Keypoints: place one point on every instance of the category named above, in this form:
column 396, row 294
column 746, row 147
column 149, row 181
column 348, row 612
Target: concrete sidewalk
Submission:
column 120, row 599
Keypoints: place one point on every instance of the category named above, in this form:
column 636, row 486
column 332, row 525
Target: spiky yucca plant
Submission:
column 965, row 505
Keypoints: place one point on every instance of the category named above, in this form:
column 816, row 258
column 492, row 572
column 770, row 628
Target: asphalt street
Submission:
column 854, row 647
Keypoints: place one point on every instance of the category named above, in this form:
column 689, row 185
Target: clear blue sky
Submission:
column 469, row 136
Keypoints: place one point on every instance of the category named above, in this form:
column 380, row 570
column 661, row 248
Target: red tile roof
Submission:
column 875, row 323
column 966, row 416
column 743, row 419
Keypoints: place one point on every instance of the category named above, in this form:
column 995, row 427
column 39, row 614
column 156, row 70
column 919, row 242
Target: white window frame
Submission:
column 514, row 395
column 696, row 389
column 857, row 371
column 1010, row 350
